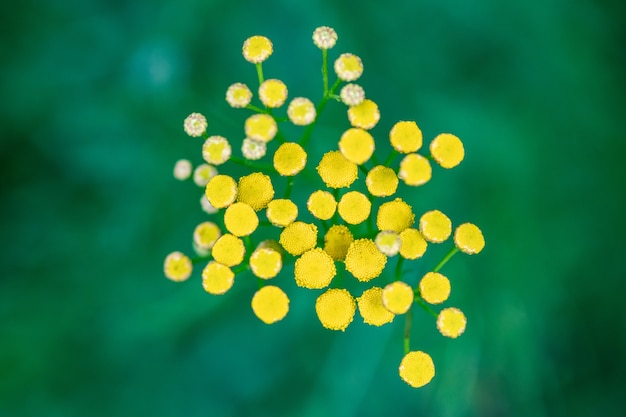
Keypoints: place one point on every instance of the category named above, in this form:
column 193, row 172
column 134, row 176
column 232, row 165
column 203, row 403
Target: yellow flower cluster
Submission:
column 336, row 223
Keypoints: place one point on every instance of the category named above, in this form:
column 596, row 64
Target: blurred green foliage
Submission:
column 93, row 98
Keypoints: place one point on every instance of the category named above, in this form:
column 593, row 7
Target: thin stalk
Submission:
column 391, row 157
column 289, row 187
column 318, row 110
column 325, row 70
column 407, row 330
column 446, row 258
column 259, row 72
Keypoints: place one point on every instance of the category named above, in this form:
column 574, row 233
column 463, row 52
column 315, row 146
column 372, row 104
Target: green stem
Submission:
column 255, row 108
column 365, row 170
column 391, row 157
column 266, row 168
column 318, row 110
column 407, row 330
column 259, row 72
column 446, row 258
column 325, row 70
column 374, row 159
column 289, row 187
column 419, row 301
column 399, row 267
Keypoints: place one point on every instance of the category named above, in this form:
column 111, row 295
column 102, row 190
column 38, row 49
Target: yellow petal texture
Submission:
column 266, row 262
column 261, row 127
column 354, row 207
column 177, row 266
column 298, row 237
column 405, row 137
column 256, row 190
column 451, row 322
column 216, row 150
column 365, row 115
column 217, row 279
column 417, row 369
column 395, row 215
column 364, row 260
column 273, row 93
column 324, row 37
column 413, row 245
column 221, row 191
column 228, row 250
column 388, row 242
column 335, row 309
column 357, row 145
column 322, row 204
column 337, row 241
column 253, row 149
column 398, row 297
column 240, row 219
column 289, row 159
column 435, row 226
column 381, row 181
column 336, row 171
column 206, row 234
column 469, row 239
column 270, row 304
column 315, row 269
column 434, row 288
column 281, row 212
column 371, row 307
column 257, row 49
column 238, row 95
column 348, row 67
column 447, row 150
column 301, row 111
column 415, row 170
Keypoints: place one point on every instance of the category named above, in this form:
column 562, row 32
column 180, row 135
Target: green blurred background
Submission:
column 93, row 98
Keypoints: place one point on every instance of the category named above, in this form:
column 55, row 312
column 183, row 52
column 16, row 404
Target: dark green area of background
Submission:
column 93, row 95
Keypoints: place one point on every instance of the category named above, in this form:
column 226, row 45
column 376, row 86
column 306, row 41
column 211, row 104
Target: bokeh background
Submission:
column 93, row 94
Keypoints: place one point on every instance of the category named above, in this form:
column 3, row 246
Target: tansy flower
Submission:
column 206, row 206
column 273, row 93
column 447, row 150
column 217, row 279
column 182, row 169
column 364, row 260
column 177, row 266
column 335, row 309
column 357, row 145
column 336, row 171
column 257, row 49
column 381, row 181
column 281, row 212
column 301, row 111
column 322, row 204
column 405, row 137
column 261, row 127
column 266, row 262
column 415, row 170
column 203, row 173
column 435, row 226
column 205, row 235
column 434, row 288
column 469, row 239
column 324, row 37
column 388, row 242
column 352, row 94
column 398, row 297
column 298, row 237
column 195, row 125
column 417, row 369
column 289, row 159
column 238, row 95
column 337, row 241
column 413, row 245
column 354, row 207
column 270, row 304
column 365, row 115
column 240, row 219
column 253, row 149
column 371, row 307
column 256, row 190
column 221, row 191
column 451, row 322
column 315, row 269
column 216, row 150
column 394, row 215
column 348, row 67
column 228, row 250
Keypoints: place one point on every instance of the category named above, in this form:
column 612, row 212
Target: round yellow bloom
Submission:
column 240, row 219
column 195, row 125
column 434, row 288
column 335, row 309
column 447, row 150
column 298, row 237
column 229, row 250
column 322, row 204
column 206, row 234
column 381, row 181
column 182, row 169
column 261, row 127
column 221, row 191
column 364, row 260
column 405, row 137
column 413, row 245
column 177, row 266
column 301, row 111
column 366, row 115
column 217, row 279
column 203, row 173
column 357, row 145
column 415, row 170
column 336, row 171
column 270, row 304
column 371, row 307
column 352, row 94
column 388, row 242
column 273, row 93
column 324, row 37
column 394, row 215
column 216, row 150
column 238, row 95
column 398, row 297
column 257, row 49
column 354, row 207
column 256, row 190
column 253, row 149
column 315, row 269
column 348, row 67
column 417, row 369
column 469, row 239
column 266, row 262
column 451, row 322
column 435, row 226
column 289, row 159
column 337, row 241
column 281, row 212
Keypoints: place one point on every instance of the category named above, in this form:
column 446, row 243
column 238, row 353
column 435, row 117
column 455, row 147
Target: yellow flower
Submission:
column 281, row 212
column 394, row 215
column 229, row 250
column 324, row 37
column 221, row 191
column 365, row 115
column 335, row 309
column 261, row 127
column 238, row 95
column 417, row 369
column 195, row 125
column 435, row 226
column 357, row 145
column 205, row 235
column 469, row 239
column 434, row 288
column 371, row 307
column 413, row 245
column 240, row 219
column 216, row 150
column 364, row 260
column 257, row 49
column 337, row 241
column 298, row 237
column 388, row 242
column 289, row 159
column 203, row 173
column 381, row 181
column 177, row 266
column 398, row 297
column 352, row 94
column 266, row 261
column 451, row 322
column 348, row 67
column 256, row 190
column 447, row 150
column 315, row 269
column 182, row 169
column 253, row 149
column 270, row 304
column 217, row 279
column 405, row 137
column 273, row 93
column 322, row 204
column 415, row 170
column 301, row 111
column 336, row 171
column 354, row 207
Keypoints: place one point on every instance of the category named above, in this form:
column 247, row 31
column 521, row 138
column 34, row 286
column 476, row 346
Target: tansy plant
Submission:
column 349, row 231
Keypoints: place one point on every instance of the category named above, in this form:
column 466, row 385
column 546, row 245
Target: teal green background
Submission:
column 93, row 98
